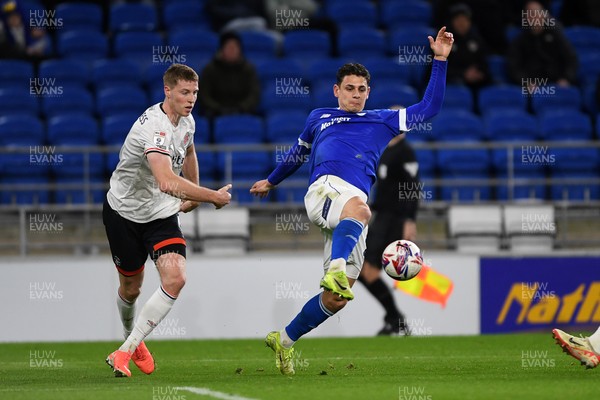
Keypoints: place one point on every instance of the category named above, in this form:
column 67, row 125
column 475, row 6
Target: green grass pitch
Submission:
column 523, row 366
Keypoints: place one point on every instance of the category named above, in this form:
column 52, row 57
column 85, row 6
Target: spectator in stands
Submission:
column 469, row 53
column 229, row 83
column 396, row 203
column 226, row 15
column 541, row 52
column 20, row 39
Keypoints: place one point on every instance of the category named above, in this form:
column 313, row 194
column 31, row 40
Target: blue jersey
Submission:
column 349, row 145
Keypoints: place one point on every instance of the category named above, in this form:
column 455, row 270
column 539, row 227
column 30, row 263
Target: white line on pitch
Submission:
column 212, row 393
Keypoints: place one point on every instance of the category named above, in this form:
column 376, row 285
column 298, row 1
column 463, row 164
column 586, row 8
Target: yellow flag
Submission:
column 428, row 285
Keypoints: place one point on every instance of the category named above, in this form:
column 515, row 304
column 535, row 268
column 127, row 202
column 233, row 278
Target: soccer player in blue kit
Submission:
column 345, row 144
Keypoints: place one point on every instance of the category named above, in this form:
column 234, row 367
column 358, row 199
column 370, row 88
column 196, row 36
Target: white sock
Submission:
column 339, row 264
column 285, row 339
column 595, row 341
column 127, row 313
column 156, row 308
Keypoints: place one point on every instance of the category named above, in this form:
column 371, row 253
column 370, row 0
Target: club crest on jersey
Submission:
column 187, row 138
column 159, row 139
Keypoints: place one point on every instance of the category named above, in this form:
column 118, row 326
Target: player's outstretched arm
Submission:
column 442, row 45
column 261, row 188
column 179, row 187
column 191, row 173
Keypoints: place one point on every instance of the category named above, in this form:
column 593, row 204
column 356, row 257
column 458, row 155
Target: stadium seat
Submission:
column 202, row 134
column 83, row 45
column 555, row 98
column 20, row 131
column 588, row 68
column 238, row 129
column 511, row 126
column 458, row 97
column 475, row 229
column 589, row 100
column 36, row 194
column 15, row 74
column 65, row 72
column 112, row 100
column 113, row 132
column 307, row 44
column 358, row 15
column 144, row 48
column 18, row 102
column 224, row 233
column 115, row 72
column 410, row 42
column 501, row 96
column 184, row 14
column 384, row 95
column 498, row 69
column 566, row 125
column 583, row 38
column 385, row 70
column 575, row 185
column 286, row 94
column 536, row 236
column 132, row 17
column 457, row 125
column 360, row 43
column 80, row 16
column 464, row 165
column 322, row 96
column 194, row 42
column 523, row 186
column 258, row 44
column 73, row 100
column 403, row 14
column 323, row 72
column 285, row 126
column 274, row 71
column 207, row 165
column 75, row 191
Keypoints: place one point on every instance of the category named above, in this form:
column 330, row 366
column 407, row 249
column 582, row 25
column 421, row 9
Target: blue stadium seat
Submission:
column 458, row 97
column 386, row 69
column 114, row 130
column 194, row 42
column 358, row 15
column 307, row 44
column 583, row 38
column 502, row 96
column 588, row 68
column 296, row 195
column 35, row 195
column 80, row 16
column 145, row 48
column 426, row 158
column 20, row 131
column 403, row 14
column 285, row 126
column 157, row 94
column 202, row 134
column 15, row 74
column 286, row 94
column 457, row 125
column 238, row 129
column 323, row 71
column 274, row 71
column 566, row 125
column 110, row 101
column 572, row 190
column 512, row 126
column 132, row 17
column 83, row 45
column 384, row 95
column 473, row 191
column 555, row 98
column 66, row 72
column 360, row 43
column 589, row 100
column 115, row 72
column 185, row 14
column 75, row 192
column 207, row 165
column 411, row 42
column 322, row 96
column 18, row 102
column 498, row 70
column 523, row 187
column 152, row 77
column 258, row 44
column 247, row 165
column 73, row 100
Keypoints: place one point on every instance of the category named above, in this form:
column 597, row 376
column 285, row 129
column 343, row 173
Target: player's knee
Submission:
column 174, row 283
column 364, row 213
column 130, row 292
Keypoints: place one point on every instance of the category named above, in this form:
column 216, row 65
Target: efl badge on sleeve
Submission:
column 159, row 139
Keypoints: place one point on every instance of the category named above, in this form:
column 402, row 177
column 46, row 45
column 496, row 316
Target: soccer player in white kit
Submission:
column 141, row 209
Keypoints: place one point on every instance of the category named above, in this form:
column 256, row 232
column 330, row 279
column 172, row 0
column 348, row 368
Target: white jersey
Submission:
column 134, row 192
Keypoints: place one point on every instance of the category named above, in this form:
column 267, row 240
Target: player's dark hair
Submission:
column 352, row 69
column 178, row 72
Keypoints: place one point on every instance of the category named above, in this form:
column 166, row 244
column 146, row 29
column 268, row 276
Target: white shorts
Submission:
column 324, row 203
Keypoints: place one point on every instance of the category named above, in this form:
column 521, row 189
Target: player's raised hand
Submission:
column 261, row 188
column 223, row 197
column 442, row 45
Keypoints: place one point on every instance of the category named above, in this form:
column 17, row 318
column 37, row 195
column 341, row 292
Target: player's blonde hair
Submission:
column 178, row 72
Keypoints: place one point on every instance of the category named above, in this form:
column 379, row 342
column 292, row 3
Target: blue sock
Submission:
column 345, row 237
column 312, row 315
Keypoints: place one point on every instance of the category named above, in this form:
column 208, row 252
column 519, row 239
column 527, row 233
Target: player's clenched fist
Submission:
column 223, row 197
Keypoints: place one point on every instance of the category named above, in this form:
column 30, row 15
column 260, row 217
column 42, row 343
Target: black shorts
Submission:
column 384, row 229
column 131, row 242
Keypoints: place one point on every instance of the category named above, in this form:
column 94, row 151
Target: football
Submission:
column 402, row 260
